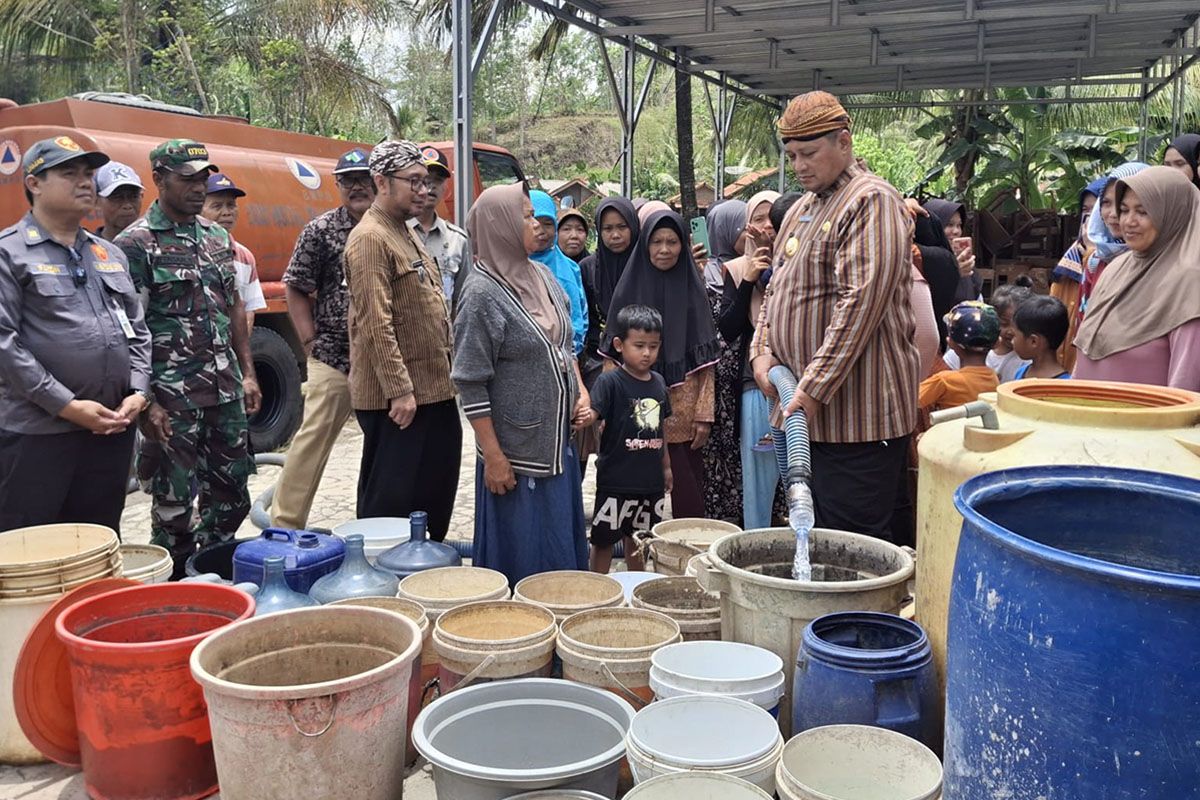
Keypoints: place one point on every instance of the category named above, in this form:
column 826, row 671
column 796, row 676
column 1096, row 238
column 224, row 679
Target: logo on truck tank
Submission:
column 304, row 172
column 10, row 157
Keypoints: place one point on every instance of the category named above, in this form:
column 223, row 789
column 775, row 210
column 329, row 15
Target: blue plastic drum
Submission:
column 1074, row 637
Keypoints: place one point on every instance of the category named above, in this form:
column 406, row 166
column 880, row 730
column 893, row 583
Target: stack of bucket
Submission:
column 146, row 563
column 612, row 648
column 726, row 669
column 685, row 601
column 568, row 592
column 674, row 542
column 37, row 566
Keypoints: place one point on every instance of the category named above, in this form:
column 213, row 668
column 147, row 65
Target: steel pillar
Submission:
column 464, row 168
column 629, row 110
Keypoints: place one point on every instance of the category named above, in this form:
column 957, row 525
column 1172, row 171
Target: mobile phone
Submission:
column 961, row 244
column 700, row 233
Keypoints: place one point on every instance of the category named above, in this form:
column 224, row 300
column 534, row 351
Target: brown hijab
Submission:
column 1143, row 296
column 496, row 224
column 738, row 267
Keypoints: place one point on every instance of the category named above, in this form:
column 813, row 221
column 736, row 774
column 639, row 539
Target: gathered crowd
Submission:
column 652, row 351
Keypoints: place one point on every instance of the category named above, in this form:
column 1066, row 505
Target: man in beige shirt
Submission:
column 400, row 384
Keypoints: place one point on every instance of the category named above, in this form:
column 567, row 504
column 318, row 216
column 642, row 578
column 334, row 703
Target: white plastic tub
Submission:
column 705, row 734
column 379, row 533
column 728, row 669
column 696, row 786
column 857, row 762
column 493, row 740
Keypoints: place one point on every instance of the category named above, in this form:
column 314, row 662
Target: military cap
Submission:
column 183, row 156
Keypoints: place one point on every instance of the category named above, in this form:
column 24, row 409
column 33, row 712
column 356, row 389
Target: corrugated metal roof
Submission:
column 782, row 47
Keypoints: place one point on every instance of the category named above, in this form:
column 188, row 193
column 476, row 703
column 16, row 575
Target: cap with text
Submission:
column 53, row 152
column 113, row 176
column 181, row 156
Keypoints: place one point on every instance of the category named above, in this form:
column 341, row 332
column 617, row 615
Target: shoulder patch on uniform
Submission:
column 455, row 228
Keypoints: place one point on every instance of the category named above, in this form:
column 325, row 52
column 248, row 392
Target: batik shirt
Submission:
column 186, row 276
column 316, row 268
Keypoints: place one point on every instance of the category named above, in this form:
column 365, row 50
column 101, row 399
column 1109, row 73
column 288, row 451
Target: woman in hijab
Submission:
column 741, row 300
column 573, row 233
column 1184, row 155
column 953, row 217
column 662, row 274
column 649, row 207
column 1143, row 321
column 723, row 479
column 521, row 391
column 1104, row 235
column 565, row 271
column 616, row 232
column 935, row 260
column 1067, row 278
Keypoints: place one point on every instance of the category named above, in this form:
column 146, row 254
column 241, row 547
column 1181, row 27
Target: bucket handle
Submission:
column 712, row 580
column 333, row 701
column 474, row 674
column 630, row 695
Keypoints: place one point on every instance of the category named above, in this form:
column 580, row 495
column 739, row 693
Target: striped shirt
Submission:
column 399, row 326
column 838, row 313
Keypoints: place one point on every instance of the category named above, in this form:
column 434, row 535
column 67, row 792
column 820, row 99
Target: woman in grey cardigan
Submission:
column 516, row 372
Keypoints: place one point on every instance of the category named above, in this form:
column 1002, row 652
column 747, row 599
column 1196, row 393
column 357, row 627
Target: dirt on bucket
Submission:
column 492, row 622
column 832, row 561
column 316, row 663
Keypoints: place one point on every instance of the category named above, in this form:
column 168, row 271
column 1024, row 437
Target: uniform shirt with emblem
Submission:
column 399, row 322
column 447, row 243
column 316, row 268
column 60, row 341
column 186, row 275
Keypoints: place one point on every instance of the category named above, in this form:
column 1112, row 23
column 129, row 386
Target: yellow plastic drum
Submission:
column 1040, row 422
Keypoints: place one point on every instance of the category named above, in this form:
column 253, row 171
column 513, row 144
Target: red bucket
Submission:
column 143, row 724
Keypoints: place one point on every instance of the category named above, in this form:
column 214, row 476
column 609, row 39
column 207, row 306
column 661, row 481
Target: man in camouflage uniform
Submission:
column 203, row 376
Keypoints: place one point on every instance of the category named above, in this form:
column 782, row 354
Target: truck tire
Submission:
column 279, row 378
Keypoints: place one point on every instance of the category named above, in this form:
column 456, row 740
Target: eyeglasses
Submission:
column 350, row 181
column 78, row 270
column 415, row 182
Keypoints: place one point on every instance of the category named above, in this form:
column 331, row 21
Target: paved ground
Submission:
column 334, row 504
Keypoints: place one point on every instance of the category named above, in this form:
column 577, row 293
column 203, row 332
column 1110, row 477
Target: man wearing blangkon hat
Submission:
column 203, row 377
column 837, row 314
column 400, row 352
column 74, row 352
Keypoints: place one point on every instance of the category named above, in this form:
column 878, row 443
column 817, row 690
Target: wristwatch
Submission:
column 146, row 395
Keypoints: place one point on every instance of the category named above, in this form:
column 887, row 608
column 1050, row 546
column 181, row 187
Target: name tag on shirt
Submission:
column 108, row 266
column 419, row 266
column 123, row 320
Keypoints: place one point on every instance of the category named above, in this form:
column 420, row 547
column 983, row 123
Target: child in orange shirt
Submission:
column 973, row 329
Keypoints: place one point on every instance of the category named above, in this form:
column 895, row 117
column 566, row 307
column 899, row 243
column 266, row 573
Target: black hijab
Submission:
column 944, row 210
column 939, row 266
column 606, row 266
column 1188, row 146
column 689, row 340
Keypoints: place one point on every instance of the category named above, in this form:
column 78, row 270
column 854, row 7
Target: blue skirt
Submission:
column 537, row 527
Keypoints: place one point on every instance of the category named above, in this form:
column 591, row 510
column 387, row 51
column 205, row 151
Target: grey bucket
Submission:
column 495, row 740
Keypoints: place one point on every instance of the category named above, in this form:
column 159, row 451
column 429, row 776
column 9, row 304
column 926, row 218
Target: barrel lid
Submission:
column 42, row 695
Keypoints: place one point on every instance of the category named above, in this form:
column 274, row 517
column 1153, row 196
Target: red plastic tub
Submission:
column 143, row 724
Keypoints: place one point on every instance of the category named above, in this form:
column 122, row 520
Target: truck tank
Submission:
column 288, row 180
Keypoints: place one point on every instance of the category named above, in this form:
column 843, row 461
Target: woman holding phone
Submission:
column 953, row 217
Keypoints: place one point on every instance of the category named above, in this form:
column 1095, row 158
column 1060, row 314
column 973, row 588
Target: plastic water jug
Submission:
column 418, row 553
column 306, row 556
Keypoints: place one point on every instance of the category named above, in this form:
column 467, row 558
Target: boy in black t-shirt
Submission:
column 633, row 472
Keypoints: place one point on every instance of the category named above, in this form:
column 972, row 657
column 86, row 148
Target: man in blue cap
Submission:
column 74, row 352
column 221, row 206
column 318, row 305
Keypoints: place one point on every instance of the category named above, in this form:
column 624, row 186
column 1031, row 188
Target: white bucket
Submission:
column 558, row 794
column 630, row 580
column 494, row 740
column 696, row 786
column 567, row 592
column 705, row 734
column 857, row 762
column 728, row 669
column 444, row 588
column 379, row 533
column 17, row 618
column 147, row 563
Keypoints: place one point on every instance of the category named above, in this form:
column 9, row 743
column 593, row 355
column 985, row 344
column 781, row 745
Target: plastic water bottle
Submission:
column 802, row 519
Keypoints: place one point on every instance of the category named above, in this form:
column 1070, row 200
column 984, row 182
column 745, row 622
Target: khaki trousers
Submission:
column 326, row 409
